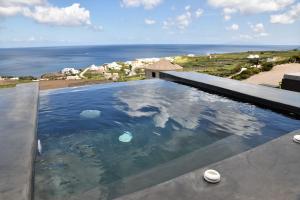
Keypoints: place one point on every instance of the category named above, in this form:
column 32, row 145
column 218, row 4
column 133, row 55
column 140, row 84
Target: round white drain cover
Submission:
column 212, row 176
column 296, row 138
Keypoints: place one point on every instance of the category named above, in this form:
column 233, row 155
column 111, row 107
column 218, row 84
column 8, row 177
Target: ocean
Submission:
column 40, row 60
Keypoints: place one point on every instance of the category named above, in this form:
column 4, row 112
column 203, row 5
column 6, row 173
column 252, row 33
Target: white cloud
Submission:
column 150, row 21
column 233, row 27
column 259, row 30
column 147, row 4
column 184, row 20
column 249, row 6
column 287, row 18
column 188, row 7
column 227, row 12
column 199, row 13
column 73, row 15
column 42, row 12
column 246, row 36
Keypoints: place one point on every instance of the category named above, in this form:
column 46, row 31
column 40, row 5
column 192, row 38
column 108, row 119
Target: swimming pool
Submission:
column 104, row 141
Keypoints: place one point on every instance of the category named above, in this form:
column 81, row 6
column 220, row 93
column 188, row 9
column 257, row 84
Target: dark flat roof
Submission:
column 273, row 98
column 270, row 171
column 18, row 108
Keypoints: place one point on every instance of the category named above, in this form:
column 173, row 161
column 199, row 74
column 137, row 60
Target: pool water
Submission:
column 104, row 141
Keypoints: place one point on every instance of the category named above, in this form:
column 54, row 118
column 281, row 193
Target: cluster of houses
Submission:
column 10, row 78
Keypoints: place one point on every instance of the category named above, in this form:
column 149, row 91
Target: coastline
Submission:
column 237, row 66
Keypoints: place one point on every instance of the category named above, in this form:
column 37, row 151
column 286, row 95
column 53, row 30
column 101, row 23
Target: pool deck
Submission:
column 270, row 171
column 18, row 108
column 272, row 98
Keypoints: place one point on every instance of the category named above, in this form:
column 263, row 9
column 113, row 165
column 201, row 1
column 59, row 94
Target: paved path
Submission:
column 81, row 75
column 274, row 76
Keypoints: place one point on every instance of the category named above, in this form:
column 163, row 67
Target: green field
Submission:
column 226, row 65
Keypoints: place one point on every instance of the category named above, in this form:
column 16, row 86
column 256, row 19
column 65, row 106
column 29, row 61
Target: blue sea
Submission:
column 40, row 60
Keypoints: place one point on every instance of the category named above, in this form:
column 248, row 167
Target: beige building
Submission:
column 152, row 71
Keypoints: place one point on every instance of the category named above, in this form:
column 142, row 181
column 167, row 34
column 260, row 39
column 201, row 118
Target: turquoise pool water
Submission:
column 104, row 141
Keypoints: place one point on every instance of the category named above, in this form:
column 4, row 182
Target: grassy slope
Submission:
column 225, row 65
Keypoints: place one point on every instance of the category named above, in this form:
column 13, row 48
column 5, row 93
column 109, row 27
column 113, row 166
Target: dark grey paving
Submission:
column 268, row 172
column 18, row 108
column 273, row 98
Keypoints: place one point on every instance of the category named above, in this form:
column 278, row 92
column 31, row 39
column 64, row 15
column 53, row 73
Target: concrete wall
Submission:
column 148, row 74
column 18, row 108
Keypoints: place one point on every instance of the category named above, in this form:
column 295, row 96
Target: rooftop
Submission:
column 163, row 65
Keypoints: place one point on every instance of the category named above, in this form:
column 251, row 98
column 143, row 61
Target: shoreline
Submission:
column 237, row 66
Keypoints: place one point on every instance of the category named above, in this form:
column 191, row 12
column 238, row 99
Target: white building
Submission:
column 253, row 57
column 148, row 60
column 14, row 78
column 191, row 55
column 94, row 68
column 73, row 77
column 114, row 65
column 70, row 71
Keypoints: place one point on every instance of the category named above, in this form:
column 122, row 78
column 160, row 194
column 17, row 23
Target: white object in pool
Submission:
column 90, row 114
column 39, row 146
column 212, row 176
column 125, row 137
column 296, row 138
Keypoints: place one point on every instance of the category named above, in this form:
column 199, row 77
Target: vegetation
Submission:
column 230, row 64
column 92, row 75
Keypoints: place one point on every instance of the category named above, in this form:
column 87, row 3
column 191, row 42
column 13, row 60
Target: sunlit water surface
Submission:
column 170, row 129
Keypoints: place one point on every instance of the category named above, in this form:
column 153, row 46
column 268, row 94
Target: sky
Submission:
column 26, row 23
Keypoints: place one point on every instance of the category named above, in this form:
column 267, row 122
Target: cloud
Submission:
column 249, row 6
column 73, row 15
column 184, row 20
column 44, row 13
column 147, row 4
column 150, row 21
column 259, row 30
column 199, row 13
column 188, row 7
column 227, row 12
column 233, row 27
column 287, row 18
column 245, row 36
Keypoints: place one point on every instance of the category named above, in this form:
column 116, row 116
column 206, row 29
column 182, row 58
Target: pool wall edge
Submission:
column 278, row 100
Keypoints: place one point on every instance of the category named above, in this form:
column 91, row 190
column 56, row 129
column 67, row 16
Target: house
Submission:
column 73, row 77
column 14, row 78
column 94, row 68
column 152, row 71
column 70, row 71
column 114, row 66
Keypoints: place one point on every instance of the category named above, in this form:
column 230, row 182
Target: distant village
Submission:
column 110, row 71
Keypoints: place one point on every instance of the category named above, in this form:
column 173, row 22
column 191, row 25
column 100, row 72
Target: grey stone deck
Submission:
column 18, row 108
column 276, row 99
column 269, row 172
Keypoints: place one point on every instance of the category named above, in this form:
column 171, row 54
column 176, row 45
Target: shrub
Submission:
column 295, row 59
column 246, row 74
column 267, row 66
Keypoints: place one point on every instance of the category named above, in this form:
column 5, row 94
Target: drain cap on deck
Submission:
column 296, row 138
column 212, row 176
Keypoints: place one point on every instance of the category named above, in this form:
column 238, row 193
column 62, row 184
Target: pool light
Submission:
column 90, row 114
column 125, row 137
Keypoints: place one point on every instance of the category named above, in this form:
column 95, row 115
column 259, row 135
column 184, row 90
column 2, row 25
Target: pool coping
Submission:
column 283, row 101
column 18, row 126
column 269, row 171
